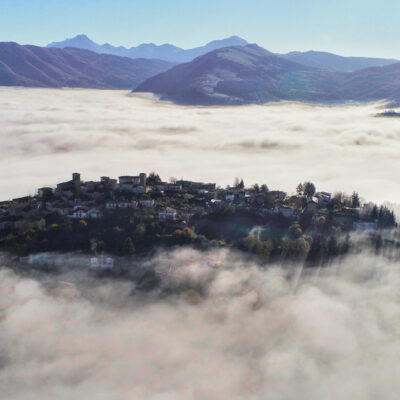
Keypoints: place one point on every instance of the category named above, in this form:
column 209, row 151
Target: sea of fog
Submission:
column 237, row 331
column 230, row 328
column 46, row 134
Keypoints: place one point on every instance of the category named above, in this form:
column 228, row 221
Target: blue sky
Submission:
column 348, row 27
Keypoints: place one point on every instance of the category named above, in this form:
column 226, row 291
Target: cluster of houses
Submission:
column 42, row 260
column 77, row 199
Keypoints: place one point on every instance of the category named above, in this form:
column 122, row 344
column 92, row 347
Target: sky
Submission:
column 347, row 27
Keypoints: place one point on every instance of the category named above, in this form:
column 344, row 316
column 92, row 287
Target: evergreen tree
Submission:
column 129, row 248
column 153, row 178
column 355, row 200
column 374, row 213
column 309, row 189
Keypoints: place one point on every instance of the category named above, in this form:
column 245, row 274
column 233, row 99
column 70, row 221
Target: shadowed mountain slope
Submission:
column 240, row 75
column 333, row 62
column 252, row 75
column 71, row 67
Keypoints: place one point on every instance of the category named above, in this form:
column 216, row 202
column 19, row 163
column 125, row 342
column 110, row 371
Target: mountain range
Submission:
column 252, row 75
column 166, row 51
column 217, row 73
column 52, row 67
column 333, row 62
column 169, row 52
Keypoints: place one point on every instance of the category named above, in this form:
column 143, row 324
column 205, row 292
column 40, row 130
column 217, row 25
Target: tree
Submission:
column 241, row 184
column 140, row 229
column 374, row 212
column 295, row 231
column 332, row 247
column 256, row 188
column 236, row 182
column 335, row 203
column 253, row 244
column 264, row 188
column 309, row 189
column 300, row 188
column 355, row 200
column 386, row 218
column 153, row 178
column 129, row 248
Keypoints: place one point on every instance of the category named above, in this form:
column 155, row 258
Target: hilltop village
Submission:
column 136, row 214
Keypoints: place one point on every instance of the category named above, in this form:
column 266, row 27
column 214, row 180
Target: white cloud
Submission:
column 256, row 333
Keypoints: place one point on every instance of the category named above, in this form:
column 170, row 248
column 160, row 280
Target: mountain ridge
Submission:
column 318, row 59
column 166, row 51
column 72, row 67
column 336, row 63
column 252, row 75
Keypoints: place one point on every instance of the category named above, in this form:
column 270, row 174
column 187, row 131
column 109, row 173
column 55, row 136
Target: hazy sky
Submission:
column 355, row 27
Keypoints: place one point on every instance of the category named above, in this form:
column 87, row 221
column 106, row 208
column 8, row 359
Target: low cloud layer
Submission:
column 46, row 134
column 280, row 333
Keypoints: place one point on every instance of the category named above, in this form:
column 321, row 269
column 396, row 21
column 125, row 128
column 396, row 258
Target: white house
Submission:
column 270, row 211
column 140, row 189
column 365, row 226
column 125, row 204
column 147, row 203
column 229, row 197
column 94, row 213
column 322, row 198
column 171, row 187
column 287, row 212
column 129, row 182
column 102, row 263
column 160, row 186
column 78, row 214
column 167, row 214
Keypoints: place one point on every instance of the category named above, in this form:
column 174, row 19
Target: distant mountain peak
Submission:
column 237, row 39
column 332, row 62
column 230, row 41
column 81, row 37
column 80, row 41
column 165, row 51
